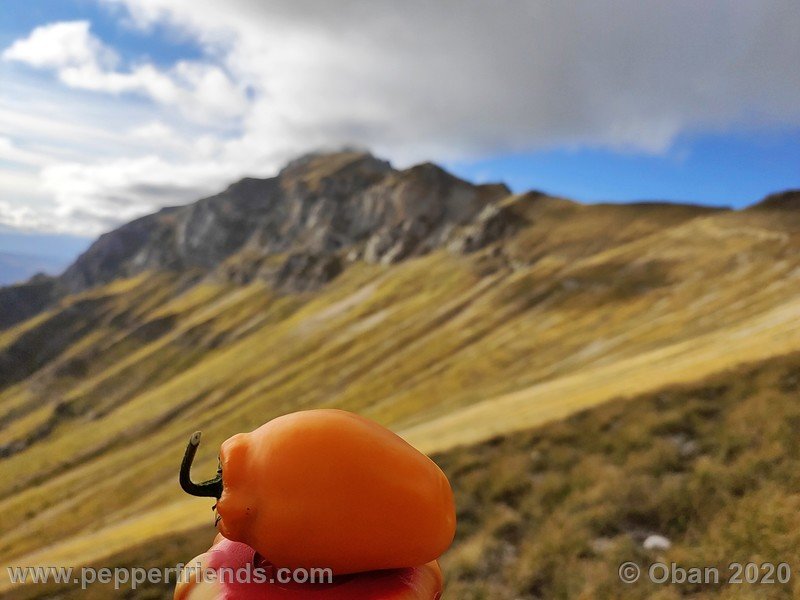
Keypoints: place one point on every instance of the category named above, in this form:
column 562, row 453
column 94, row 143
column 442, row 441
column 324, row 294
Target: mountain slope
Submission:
column 552, row 512
column 453, row 313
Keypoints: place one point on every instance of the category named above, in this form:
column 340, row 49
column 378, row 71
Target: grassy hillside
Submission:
column 714, row 467
column 584, row 304
column 552, row 512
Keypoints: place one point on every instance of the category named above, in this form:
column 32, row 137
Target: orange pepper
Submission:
column 418, row 583
column 328, row 488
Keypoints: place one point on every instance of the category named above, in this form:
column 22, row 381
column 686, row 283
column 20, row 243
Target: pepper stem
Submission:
column 207, row 489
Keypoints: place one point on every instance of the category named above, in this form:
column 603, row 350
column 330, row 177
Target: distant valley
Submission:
column 16, row 268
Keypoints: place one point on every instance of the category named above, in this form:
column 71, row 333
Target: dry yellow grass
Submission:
column 771, row 334
column 553, row 511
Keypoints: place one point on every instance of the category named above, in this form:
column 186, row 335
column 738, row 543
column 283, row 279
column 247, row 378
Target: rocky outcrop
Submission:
column 319, row 213
column 297, row 230
column 135, row 246
column 493, row 223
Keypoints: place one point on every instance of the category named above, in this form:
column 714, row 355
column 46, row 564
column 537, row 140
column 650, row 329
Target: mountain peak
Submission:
column 322, row 211
column 313, row 168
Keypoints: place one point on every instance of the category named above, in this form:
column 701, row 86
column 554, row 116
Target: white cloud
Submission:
column 59, row 45
column 201, row 91
column 473, row 77
column 66, row 157
column 23, row 217
column 103, row 191
column 440, row 80
column 10, row 152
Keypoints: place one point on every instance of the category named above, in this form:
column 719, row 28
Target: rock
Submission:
column 687, row 447
column 493, row 223
column 656, row 542
column 303, row 272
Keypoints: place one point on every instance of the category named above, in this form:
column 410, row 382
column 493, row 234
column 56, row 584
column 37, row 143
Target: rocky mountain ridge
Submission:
column 298, row 229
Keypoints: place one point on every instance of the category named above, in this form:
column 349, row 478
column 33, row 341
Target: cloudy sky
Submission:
column 112, row 108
